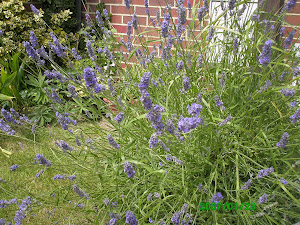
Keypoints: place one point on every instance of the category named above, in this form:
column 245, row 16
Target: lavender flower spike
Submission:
column 34, row 9
column 119, row 117
column 294, row 118
column 127, row 3
column 265, row 56
column 228, row 118
column 247, row 185
column 265, row 172
column 14, row 167
column 130, row 218
column 283, row 140
column 128, row 169
column 287, row 93
column 80, row 192
column 217, row 197
column 113, row 142
column 263, row 199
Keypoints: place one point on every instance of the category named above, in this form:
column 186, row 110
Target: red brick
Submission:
column 119, row 10
column 137, row 2
column 92, row 1
column 289, row 29
column 296, row 9
column 141, row 20
column 293, row 19
column 142, row 11
column 161, row 3
column 116, row 19
column 121, row 28
column 112, row 1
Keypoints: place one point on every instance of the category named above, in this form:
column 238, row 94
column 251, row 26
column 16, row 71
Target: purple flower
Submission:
column 89, row 77
column 219, row 103
column 283, row 140
column 130, row 218
column 231, row 4
column 2, row 221
column 128, row 169
column 111, row 87
column 42, row 160
column 283, row 181
column 33, row 40
column 210, row 34
column 151, row 220
column 127, row 3
column 14, row 167
column 201, row 13
column 64, row 121
column 1, row 32
column 170, row 126
column 8, row 117
column 174, row 159
column 71, row 90
column 294, row 118
column 235, row 44
column 64, row 146
column 163, row 145
column 90, row 51
column 106, row 201
column 34, row 9
column 59, row 176
column 282, row 76
column 265, row 56
column 153, row 140
column 99, row 19
column 146, row 101
column 187, row 124
column 290, row 4
column 76, row 56
column 6, row 128
column 119, row 117
column 194, row 109
column 144, row 83
column 265, row 87
column 189, row 5
column 112, row 142
column 57, row 47
column 293, row 104
column 200, row 186
column 32, row 53
column 289, row 39
column 165, row 25
column 217, row 197
column 180, row 65
column 186, row 84
column 287, row 93
column 80, row 192
column 263, row 199
column 247, row 185
column 134, row 21
column 265, row 172
column 176, row 218
column 228, row 118
column 149, row 197
column 155, row 116
column 55, row 96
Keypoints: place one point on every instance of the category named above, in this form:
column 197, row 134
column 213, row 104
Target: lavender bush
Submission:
column 198, row 119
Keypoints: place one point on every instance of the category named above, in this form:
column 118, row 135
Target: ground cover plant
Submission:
column 211, row 115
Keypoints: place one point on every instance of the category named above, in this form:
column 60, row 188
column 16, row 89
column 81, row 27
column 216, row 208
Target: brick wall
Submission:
column 293, row 18
column 121, row 15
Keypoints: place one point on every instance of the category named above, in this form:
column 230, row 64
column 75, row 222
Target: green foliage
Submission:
column 12, row 76
column 16, row 23
column 219, row 155
column 51, row 7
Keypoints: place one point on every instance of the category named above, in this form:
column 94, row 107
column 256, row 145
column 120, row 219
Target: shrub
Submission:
column 213, row 120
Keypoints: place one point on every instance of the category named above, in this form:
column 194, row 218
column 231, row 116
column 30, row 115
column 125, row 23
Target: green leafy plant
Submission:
column 211, row 120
